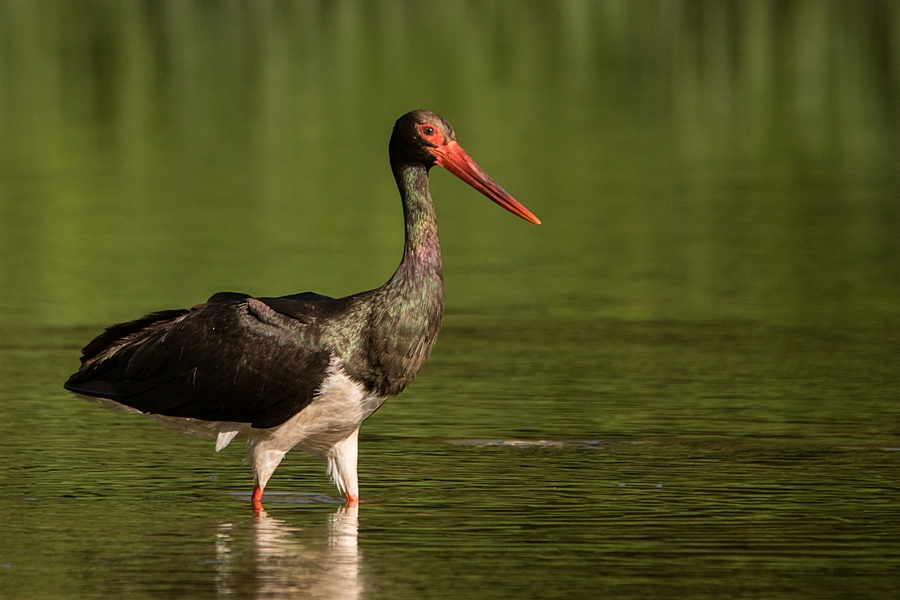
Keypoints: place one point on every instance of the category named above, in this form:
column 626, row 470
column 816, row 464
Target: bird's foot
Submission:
column 352, row 500
column 256, row 499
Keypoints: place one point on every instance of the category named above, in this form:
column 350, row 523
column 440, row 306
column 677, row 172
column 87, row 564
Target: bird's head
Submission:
column 423, row 137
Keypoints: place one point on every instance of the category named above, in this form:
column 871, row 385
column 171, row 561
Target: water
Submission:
column 683, row 384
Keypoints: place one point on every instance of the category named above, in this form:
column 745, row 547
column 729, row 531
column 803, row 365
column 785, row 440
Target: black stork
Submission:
column 301, row 370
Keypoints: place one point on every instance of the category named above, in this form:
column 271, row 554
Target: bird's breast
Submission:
column 400, row 340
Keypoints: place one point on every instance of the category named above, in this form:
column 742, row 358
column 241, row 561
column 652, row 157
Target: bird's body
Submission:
column 302, row 370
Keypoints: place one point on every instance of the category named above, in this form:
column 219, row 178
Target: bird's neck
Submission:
column 406, row 314
column 422, row 251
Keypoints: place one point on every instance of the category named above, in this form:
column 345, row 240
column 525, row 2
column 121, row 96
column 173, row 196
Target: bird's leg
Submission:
column 264, row 459
column 256, row 499
column 341, row 461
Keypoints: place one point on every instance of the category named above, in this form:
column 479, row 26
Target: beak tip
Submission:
column 529, row 216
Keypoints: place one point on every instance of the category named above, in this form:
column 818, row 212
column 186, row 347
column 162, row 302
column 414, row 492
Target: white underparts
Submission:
column 327, row 428
column 227, row 432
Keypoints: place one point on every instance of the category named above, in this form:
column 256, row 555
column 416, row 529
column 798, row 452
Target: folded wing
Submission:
column 233, row 358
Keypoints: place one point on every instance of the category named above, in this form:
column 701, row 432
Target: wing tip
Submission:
column 93, row 388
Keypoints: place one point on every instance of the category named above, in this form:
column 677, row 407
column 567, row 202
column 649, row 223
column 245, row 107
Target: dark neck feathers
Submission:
column 406, row 314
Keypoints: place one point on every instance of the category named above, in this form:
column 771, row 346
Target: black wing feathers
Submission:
column 233, row 358
column 227, row 297
column 117, row 332
column 302, row 307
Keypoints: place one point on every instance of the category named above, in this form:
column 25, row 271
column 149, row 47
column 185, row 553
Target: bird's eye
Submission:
column 427, row 131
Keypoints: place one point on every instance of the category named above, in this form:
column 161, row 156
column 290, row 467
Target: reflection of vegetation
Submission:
column 700, row 159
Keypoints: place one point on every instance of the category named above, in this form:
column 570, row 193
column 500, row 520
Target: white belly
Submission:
column 337, row 412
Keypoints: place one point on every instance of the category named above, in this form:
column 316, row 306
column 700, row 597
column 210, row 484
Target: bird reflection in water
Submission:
column 288, row 560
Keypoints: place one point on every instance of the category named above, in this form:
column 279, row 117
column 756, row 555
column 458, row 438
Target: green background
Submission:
column 685, row 383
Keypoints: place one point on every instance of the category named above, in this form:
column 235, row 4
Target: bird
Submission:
column 304, row 369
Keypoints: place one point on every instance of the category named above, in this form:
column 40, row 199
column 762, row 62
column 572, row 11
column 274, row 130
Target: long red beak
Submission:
column 453, row 158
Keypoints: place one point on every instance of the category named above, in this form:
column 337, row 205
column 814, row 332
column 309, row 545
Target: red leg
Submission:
column 256, row 499
column 352, row 499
